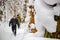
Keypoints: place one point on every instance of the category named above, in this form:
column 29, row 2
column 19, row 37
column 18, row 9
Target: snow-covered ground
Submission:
column 22, row 33
column 43, row 20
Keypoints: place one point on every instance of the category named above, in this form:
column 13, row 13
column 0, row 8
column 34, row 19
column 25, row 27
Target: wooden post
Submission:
column 32, row 15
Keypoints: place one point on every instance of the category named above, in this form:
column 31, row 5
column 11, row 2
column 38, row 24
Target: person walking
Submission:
column 19, row 19
column 14, row 22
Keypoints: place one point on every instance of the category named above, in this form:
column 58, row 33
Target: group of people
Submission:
column 14, row 22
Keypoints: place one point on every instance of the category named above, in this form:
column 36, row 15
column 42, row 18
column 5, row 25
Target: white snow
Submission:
column 44, row 16
column 22, row 33
column 51, row 1
column 43, row 20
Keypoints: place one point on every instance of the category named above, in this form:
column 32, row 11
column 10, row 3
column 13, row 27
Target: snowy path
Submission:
column 6, row 34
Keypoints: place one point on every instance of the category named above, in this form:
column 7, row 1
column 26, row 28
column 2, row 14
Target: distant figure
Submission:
column 14, row 23
column 19, row 19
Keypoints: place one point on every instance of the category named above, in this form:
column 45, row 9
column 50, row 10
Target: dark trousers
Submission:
column 19, row 25
column 14, row 30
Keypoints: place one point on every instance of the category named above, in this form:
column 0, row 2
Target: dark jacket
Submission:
column 13, row 22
